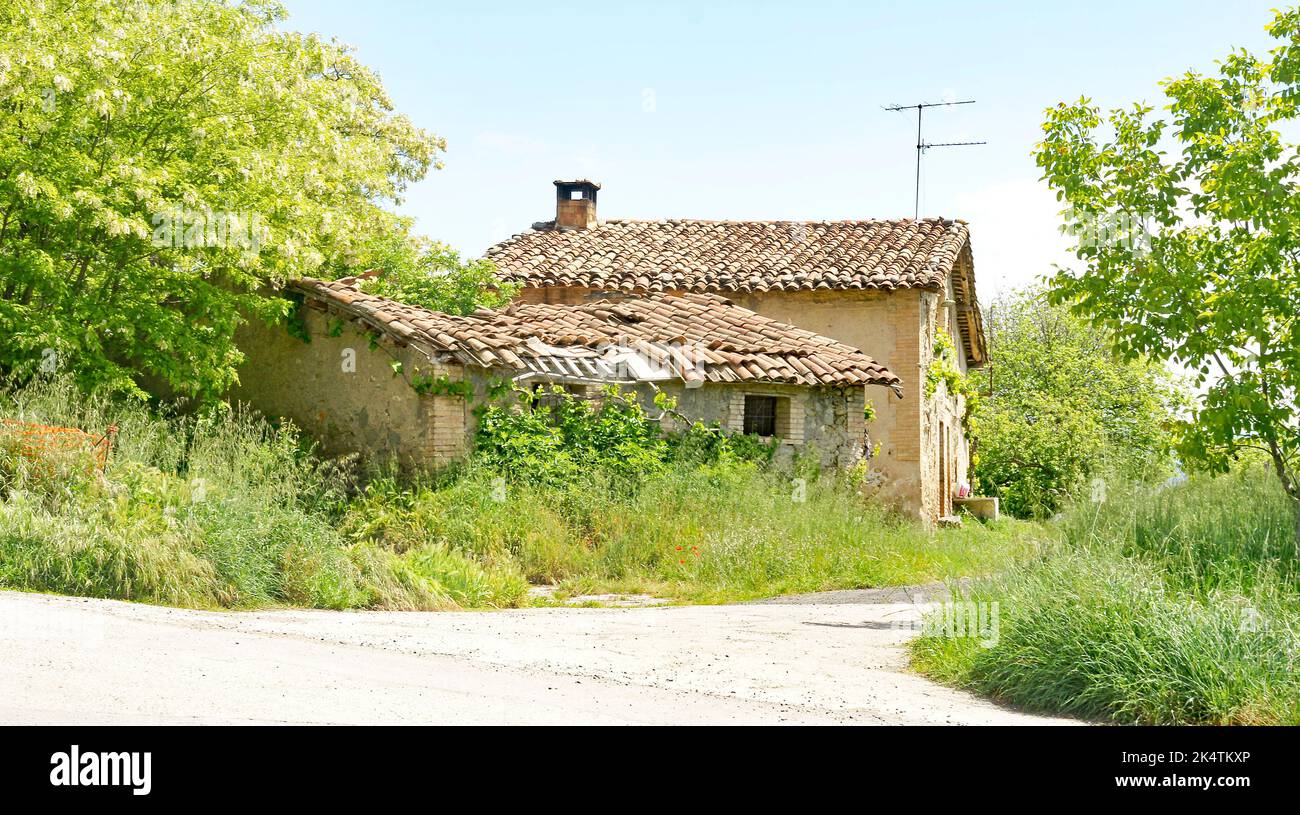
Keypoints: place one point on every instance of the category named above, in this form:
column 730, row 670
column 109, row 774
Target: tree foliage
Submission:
column 1062, row 408
column 436, row 278
column 1189, row 235
column 162, row 162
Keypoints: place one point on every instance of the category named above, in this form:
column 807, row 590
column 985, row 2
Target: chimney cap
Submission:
column 575, row 204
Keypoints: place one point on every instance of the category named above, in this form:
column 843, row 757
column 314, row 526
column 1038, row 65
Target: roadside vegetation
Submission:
column 1176, row 605
column 1156, row 598
column 220, row 509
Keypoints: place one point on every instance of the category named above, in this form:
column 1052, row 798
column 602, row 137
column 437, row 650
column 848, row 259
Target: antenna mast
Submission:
column 922, row 146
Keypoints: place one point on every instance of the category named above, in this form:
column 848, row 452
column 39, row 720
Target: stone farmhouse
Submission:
column 886, row 287
column 366, row 373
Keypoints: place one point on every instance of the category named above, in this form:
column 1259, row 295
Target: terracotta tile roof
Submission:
column 694, row 337
column 735, row 256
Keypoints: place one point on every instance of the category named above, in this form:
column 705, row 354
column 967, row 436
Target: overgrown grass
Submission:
column 224, row 510
column 217, row 510
column 704, row 533
column 1169, row 606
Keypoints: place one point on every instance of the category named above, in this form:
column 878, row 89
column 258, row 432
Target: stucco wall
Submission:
column 344, row 394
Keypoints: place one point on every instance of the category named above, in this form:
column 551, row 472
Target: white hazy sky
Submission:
column 764, row 110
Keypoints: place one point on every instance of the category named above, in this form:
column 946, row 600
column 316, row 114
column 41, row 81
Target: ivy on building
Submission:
column 429, row 385
column 295, row 321
column 943, row 369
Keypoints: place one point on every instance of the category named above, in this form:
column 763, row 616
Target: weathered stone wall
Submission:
column 828, row 420
column 345, row 395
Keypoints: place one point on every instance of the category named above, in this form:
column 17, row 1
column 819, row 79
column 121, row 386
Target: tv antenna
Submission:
column 922, row 146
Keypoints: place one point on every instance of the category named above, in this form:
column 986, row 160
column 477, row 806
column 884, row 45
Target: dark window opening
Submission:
column 760, row 415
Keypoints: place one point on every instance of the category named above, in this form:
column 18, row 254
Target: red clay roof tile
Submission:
column 682, row 328
column 736, row 256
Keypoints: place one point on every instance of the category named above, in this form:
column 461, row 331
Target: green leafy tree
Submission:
column 435, row 277
column 1062, row 408
column 1188, row 230
column 162, row 163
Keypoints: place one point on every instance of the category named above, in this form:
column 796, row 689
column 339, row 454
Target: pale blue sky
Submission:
column 763, row 110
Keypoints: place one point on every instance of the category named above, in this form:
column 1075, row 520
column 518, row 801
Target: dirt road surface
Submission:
column 69, row 660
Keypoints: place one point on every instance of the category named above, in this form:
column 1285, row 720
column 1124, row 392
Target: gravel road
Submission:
column 70, row 660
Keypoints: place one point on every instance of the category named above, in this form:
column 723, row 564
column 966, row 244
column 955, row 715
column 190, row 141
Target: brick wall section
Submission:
column 791, row 419
column 736, row 412
column 446, row 432
column 559, row 295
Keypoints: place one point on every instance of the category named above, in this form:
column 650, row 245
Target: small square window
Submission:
column 760, row 415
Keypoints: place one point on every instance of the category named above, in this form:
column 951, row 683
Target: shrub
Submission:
column 214, row 509
column 469, row 583
column 551, row 436
column 472, row 516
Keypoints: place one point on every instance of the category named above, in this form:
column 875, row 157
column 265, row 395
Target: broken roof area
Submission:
column 694, row 337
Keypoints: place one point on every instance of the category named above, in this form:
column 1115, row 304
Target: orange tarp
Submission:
column 36, row 440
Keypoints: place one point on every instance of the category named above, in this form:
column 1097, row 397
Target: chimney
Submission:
column 575, row 204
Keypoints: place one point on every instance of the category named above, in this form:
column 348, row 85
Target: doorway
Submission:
column 945, row 498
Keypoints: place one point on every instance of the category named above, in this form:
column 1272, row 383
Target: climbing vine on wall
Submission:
column 295, row 321
column 943, row 369
column 442, row 386
column 430, row 385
